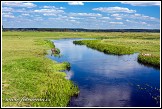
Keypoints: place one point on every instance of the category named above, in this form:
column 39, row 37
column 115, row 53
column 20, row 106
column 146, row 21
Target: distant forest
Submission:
column 80, row 30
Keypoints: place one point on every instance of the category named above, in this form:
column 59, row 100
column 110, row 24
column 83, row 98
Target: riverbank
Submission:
column 149, row 49
column 105, row 47
column 29, row 79
column 96, row 72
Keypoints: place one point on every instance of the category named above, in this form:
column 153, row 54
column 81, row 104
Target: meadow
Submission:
column 26, row 72
column 147, row 45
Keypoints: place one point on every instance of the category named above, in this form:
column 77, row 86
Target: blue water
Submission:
column 108, row 80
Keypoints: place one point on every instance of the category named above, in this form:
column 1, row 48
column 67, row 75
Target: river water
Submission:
column 108, row 80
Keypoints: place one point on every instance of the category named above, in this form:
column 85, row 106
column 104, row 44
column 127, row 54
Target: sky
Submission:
column 78, row 14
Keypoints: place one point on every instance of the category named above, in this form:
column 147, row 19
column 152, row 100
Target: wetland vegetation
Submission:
column 148, row 45
column 26, row 72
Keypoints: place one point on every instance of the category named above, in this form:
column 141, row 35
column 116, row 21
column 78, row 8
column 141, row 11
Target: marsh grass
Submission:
column 26, row 73
column 149, row 60
column 34, row 78
column 106, row 48
column 121, row 46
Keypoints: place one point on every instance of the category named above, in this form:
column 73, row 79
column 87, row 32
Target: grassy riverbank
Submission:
column 105, row 47
column 27, row 73
column 149, row 49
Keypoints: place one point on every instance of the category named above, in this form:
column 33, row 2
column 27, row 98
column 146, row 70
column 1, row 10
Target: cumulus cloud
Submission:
column 75, row 3
column 86, row 14
column 143, row 3
column 134, row 16
column 114, row 9
column 49, row 12
column 24, row 14
column 115, row 15
column 8, row 15
column 127, row 20
column 120, row 23
column 19, row 4
column 143, row 23
column 7, row 9
column 49, row 7
column 143, row 17
column 53, row 7
column 118, row 18
column 38, row 18
column 137, row 14
column 105, row 18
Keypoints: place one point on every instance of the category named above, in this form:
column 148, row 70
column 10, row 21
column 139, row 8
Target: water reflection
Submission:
column 109, row 80
column 69, row 74
column 106, row 96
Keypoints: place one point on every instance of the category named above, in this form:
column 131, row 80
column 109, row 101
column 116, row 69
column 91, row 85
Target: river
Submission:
column 108, row 80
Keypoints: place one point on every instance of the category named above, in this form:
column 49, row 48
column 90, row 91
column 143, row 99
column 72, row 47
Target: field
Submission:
column 27, row 73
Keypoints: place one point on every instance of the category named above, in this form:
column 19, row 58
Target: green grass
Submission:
column 27, row 73
column 106, row 47
column 129, row 45
column 153, row 60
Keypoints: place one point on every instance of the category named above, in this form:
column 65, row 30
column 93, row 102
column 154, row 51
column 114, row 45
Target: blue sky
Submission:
column 88, row 15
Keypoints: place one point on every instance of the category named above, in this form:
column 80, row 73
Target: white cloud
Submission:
column 20, row 10
column 72, row 20
column 128, row 20
column 76, row 3
column 38, row 18
column 115, row 15
column 86, row 14
column 25, row 14
column 143, row 3
column 7, row 9
column 49, row 11
column 61, row 16
column 152, row 18
column 19, row 4
column 118, row 18
column 59, row 19
column 137, row 14
column 116, row 23
column 134, row 16
column 92, row 17
column 145, row 16
column 62, row 8
column 71, row 17
column 49, row 7
column 8, row 15
column 49, row 14
column 142, row 17
column 114, row 9
column 105, row 18
column 143, row 23
column 53, row 7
